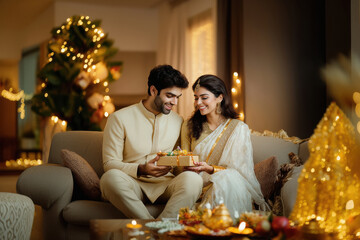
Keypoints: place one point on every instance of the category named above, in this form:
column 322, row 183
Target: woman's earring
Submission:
column 218, row 108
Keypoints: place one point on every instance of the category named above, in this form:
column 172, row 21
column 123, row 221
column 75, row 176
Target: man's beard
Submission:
column 159, row 106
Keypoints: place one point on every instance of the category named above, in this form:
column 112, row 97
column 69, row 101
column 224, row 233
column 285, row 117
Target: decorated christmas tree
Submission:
column 75, row 80
column 328, row 193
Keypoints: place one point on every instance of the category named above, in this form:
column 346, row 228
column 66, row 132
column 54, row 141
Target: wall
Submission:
column 9, row 69
column 283, row 52
column 132, row 85
column 28, row 35
column 38, row 31
column 8, row 119
column 141, row 36
column 132, row 29
column 9, row 45
column 355, row 29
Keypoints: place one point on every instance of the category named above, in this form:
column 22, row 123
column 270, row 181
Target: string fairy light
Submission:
column 9, row 95
column 12, row 96
column 56, row 120
column 69, row 51
column 24, row 161
column 237, row 96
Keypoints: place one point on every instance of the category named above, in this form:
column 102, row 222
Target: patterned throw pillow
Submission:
column 84, row 175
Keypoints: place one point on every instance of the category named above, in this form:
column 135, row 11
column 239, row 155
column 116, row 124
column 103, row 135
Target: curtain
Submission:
column 187, row 42
column 230, row 50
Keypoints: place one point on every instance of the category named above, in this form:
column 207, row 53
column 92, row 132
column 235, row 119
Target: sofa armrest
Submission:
column 46, row 184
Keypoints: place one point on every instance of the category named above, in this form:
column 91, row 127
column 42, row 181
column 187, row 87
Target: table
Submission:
column 115, row 229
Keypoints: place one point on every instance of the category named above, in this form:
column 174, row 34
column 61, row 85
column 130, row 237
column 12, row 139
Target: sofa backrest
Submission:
column 267, row 146
column 88, row 144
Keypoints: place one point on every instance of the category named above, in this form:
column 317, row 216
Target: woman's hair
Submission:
column 215, row 85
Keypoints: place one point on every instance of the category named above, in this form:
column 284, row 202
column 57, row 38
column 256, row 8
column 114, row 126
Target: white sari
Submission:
column 237, row 185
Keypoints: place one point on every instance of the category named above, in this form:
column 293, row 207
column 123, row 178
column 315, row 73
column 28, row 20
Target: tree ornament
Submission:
column 83, row 80
column 101, row 71
column 328, row 192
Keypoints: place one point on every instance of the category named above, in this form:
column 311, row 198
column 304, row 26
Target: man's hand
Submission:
column 150, row 168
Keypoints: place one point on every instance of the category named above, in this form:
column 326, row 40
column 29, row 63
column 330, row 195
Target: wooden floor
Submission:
column 8, row 184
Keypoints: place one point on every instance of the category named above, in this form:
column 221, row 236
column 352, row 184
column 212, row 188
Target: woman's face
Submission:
column 206, row 101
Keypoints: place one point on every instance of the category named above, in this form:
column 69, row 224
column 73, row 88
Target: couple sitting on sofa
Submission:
column 134, row 135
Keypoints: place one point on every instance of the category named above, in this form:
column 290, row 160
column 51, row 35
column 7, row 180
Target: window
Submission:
column 202, row 45
column 201, row 54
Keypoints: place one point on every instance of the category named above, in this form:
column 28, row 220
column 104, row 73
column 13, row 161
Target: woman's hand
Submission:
column 200, row 167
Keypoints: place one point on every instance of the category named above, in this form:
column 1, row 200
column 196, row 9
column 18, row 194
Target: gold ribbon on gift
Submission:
column 177, row 160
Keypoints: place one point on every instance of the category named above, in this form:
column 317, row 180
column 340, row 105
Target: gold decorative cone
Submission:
column 329, row 192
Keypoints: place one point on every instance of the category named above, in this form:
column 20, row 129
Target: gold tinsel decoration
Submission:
column 328, row 191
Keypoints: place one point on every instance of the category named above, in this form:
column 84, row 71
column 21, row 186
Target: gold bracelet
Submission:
column 217, row 168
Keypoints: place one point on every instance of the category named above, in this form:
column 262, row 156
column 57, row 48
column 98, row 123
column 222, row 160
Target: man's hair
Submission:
column 165, row 76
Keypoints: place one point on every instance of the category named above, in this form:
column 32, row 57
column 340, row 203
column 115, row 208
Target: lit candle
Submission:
column 242, row 229
column 133, row 225
column 134, row 228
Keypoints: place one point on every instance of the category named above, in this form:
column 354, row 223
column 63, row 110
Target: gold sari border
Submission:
column 218, row 138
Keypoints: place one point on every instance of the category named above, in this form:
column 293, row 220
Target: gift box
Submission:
column 184, row 161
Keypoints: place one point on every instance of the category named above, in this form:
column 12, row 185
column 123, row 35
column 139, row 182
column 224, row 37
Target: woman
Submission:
column 224, row 148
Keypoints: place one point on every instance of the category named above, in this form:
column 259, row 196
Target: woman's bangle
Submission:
column 217, row 168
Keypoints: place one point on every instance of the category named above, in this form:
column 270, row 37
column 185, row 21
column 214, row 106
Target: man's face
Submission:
column 167, row 98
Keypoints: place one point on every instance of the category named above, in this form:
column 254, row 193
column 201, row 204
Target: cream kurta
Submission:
column 132, row 136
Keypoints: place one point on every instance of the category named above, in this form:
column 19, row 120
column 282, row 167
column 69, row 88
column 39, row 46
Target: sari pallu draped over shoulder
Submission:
column 237, row 185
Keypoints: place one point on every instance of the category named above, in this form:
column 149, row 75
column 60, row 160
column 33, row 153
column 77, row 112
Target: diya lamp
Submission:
column 134, row 228
column 219, row 219
column 242, row 229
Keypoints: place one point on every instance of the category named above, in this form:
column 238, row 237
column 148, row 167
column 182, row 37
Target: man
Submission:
column 132, row 137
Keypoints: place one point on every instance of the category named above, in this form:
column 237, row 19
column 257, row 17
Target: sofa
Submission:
column 66, row 213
